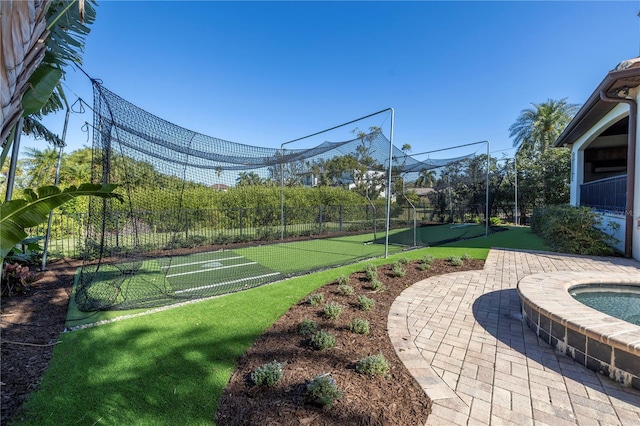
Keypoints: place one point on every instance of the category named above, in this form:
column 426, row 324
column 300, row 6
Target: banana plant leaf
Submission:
column 16, row 215
column 41, row 84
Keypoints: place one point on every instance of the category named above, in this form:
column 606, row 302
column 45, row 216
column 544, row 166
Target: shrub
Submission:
column 345, row 290
column 323, row 390
column 333, row 310
column 374, row 365
column 466, row 256
column 359, row 326
column 323, row 340
column 428, row 259
column 366, row 303
column 455, row 260
column 403, row 260
column 569, row 229
column 424, row 266
column 495, row 221
column 371, row 271
column 398, row 269
column 315, row 299
column 307, row 326
column 268, row 374
column 377, row 285
column 343, row 280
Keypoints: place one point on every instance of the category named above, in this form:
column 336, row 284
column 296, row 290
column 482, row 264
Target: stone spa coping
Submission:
column 599, row 341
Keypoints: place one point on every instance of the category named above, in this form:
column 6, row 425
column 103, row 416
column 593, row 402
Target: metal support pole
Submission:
column 515, row 166
column 486, row 220
column 386, row 239
column 11, row 176
column 56, row 182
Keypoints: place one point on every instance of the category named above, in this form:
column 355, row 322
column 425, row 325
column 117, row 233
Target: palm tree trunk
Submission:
column 22, row 37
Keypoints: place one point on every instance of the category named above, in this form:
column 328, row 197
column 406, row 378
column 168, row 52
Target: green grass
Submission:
column 515, row 237
column 168, row 367
column 303, row 256
column 437, row 234
column 171, row 367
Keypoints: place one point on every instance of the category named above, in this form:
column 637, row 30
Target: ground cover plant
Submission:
column 182, row 357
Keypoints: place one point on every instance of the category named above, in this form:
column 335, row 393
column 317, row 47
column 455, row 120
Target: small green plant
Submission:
column 371, row 272
column 366, row 303
column 398, row 269
column 374, row 365
column 495, row 221
column 333, row 310
column 428, row 259
column 307, row 327
column 403, row 260
column 268, row 374
column 370, row 267
column 343, row 280
column 323, row 340
column 315, row 299
column 377, row 285
column 455, row 260
column 424, row 266
column 466, row 256
column 359, row 326
column 345, row 290
column 323, row 390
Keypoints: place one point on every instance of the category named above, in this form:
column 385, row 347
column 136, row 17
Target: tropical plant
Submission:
column 40, row 166
column 31, row 84
column 426, row 179
column 537, row 128
column 34, row 208
column 249, row 179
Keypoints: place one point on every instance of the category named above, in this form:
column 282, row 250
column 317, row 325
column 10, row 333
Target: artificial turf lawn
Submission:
column 171, row 367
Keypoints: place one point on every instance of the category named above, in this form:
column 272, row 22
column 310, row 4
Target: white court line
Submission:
column 228, row 282
column 210, row 269
column 201, row 261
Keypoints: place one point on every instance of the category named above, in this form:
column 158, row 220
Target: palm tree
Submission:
column 40, row 166
column 537, row 128
column 30, row 78
column 248, row 179
column 426, row 179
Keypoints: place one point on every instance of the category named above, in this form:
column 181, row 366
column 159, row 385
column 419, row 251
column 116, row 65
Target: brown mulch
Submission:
column 32, row 322
column 30, row 325
column 395, row 399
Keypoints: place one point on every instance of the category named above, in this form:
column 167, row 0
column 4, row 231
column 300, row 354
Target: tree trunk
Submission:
column 22, row 37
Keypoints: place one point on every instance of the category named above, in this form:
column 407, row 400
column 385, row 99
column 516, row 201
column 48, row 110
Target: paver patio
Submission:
column 462, row 337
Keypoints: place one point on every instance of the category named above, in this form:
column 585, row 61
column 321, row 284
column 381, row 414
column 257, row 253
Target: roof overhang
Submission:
column 625, row 76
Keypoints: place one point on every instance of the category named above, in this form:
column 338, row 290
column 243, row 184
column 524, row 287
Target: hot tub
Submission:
column 595, row 339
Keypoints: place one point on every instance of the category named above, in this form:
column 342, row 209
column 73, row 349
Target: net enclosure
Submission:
column 205, row 216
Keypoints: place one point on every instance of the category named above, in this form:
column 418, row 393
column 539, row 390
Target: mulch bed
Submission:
column 32, row 322
column 395, row 399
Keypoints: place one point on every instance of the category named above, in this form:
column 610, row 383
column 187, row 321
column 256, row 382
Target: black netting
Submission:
column 204, row 216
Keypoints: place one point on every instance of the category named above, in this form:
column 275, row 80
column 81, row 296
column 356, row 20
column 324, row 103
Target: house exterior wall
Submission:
column 620, row 111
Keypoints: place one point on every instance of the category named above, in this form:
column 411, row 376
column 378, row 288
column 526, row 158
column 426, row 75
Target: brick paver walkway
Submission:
column 462, row 337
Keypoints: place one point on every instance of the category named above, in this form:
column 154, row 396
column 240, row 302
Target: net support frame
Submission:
column 486, row 204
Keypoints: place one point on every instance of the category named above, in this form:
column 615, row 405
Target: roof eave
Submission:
column 595, row 108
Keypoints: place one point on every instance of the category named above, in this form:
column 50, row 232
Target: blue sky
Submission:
column 262, row 73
